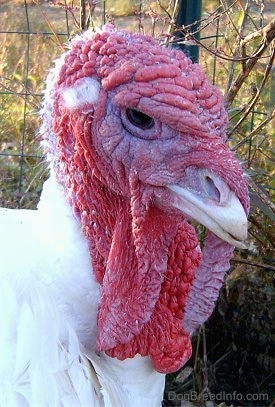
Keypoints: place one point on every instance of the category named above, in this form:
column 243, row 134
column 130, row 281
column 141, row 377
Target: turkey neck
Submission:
column 129, row 250
column 144, row 259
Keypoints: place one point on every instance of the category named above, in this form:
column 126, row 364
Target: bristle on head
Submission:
column 83, row 93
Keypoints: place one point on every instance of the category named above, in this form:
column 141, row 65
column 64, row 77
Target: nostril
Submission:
column 211, row 189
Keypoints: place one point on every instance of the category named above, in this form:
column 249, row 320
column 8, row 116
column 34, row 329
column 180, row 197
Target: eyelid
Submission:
column 146, row 134
column 139, row 119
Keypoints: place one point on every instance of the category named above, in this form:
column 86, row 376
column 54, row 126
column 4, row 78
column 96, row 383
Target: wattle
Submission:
column 145, row 327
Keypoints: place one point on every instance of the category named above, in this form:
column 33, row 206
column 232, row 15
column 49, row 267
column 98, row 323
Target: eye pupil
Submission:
column 139, row 119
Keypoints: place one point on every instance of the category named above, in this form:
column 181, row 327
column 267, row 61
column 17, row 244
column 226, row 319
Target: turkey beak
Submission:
column 216, row 207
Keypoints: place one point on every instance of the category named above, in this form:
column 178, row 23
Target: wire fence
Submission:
column 23, row 39
column 32, row 40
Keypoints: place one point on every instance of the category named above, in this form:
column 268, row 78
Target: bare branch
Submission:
column 50, row 25
column 268, row 35
column 257, row 94
column 254, row 264
column 255, row 131
column 264, row 197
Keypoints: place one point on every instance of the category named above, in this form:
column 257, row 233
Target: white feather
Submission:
column 47, row 369
column 82, row 94
column 48, row 318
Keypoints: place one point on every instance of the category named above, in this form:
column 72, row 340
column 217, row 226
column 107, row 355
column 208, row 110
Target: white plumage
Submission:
column 85, row 92
column 48, row 310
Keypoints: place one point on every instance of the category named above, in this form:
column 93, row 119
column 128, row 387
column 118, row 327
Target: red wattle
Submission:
column 162, row 337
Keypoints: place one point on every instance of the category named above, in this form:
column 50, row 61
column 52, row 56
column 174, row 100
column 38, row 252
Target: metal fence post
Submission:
column 189, row 12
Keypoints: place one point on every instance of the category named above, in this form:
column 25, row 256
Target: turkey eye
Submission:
column 139, row 119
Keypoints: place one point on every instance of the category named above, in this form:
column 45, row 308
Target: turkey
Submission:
column 104, row 284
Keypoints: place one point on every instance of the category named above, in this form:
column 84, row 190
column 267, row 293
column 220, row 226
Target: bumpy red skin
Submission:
column 144, row 254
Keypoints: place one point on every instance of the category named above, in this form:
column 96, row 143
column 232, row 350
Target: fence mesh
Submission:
column 30, row 42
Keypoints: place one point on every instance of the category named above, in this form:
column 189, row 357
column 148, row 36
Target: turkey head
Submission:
column 135, row 134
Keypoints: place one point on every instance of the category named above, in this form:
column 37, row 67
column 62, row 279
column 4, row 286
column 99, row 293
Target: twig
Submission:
column 197, row 351
column 172, row 21
column 259, row 226
column 265, row 198
column 255, row 131
column 84, row 17
column 255, row 264
column 189, row 36
column 237, row 44
column 224, row 356
column 75, row 21
column 257, row 149
column 205, row 378
column 215, row 15
column 268, row 34
column 257, row 237
column 20, row 94
column 230, row 19
column 255, row 98
column 165, row 10
column 50, row 25
column 37, row 175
